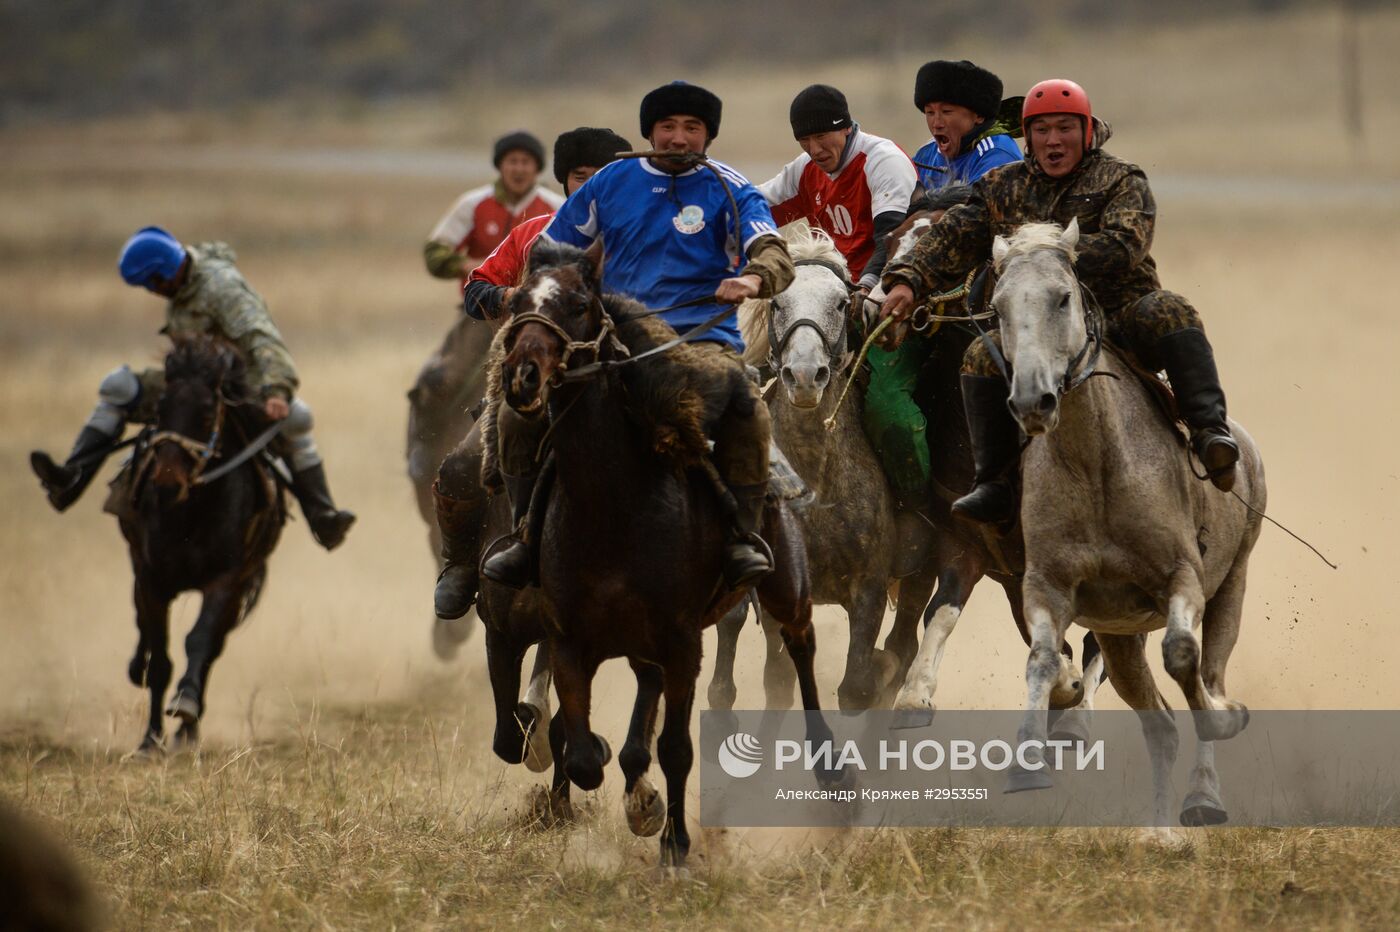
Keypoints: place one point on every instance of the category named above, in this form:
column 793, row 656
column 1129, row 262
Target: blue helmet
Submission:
column 151, row 251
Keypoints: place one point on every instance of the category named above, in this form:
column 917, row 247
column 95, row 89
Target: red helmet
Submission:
column 1058, row 96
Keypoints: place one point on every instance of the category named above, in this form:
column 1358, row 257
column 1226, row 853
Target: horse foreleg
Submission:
column 515, row 722
column 1074, row 722
column 1125, row 658
column 903, row 640
column 584, row 752
column 1048, row 615
column 646, row 813
column 218, row 614
column 1181, row 656
column 676, row 750
column 778, row 675
column 859, row 688
column 533, row 712
column 722, row 691
column 153, row 621
column 954, row 587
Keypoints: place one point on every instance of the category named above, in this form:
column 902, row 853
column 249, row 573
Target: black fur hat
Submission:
column 820, row 108
column 586, row 147
column 961, row 83
column 518, row 141
column 678, row 97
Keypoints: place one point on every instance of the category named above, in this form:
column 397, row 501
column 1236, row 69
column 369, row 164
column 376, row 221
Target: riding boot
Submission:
column 64, row 484
column 913, row 535
column 746, row 557
column 511, row 565
column 996, row 444
column 1190, row 364
column 459, row 521
column 328, row 524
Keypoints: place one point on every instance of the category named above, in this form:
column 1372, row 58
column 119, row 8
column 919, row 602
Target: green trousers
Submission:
column 893, row 422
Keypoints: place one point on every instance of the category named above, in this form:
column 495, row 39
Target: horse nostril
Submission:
column 1047, row 402
column 530, row 376
column 823, row 376
column 787, row 376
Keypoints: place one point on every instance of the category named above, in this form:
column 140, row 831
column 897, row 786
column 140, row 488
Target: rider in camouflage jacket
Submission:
column 1116, row 213
column 208, row 295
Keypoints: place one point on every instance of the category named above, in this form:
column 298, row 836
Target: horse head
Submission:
column 202, row 376
column 807, row 322
column 555, row 313
column 1049, row 335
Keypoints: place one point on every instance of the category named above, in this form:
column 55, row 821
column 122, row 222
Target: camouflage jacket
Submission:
column 1109, row 196
column 218, row 300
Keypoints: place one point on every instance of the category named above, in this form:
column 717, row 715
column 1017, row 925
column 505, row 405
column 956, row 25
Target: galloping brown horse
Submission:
column 631, row 544
column 187, row 534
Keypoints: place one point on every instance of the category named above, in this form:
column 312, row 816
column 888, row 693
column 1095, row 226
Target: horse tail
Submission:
column 251, row 593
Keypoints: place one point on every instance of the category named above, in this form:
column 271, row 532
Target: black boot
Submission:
column 64, row 484
column 328, row 524
column 996, row 446
column 1190, row 364
column 511, row 566
column 746, row 560
column 460, row 523
column 913, row 535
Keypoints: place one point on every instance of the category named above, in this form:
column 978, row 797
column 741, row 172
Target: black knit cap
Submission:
column 586, row 147
column 676, row 98
column 518, row 141
column 820, row 108
column 961, row 83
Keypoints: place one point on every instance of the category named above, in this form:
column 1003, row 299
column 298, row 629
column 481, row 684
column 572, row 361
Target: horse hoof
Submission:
column 1070, row 726
column 678, row 873
column 136, row 670
column 646, row 813
column 547, row 808
column 186, row 738
column 1221, row 724
column 1020, row 781
column 448, row 636
column 604, row 749
column 538, row 757
column 1198, row 809
column 184, row 707
column 912, row 718
column 150, row 748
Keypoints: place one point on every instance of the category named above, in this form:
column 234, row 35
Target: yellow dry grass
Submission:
column 346, row 779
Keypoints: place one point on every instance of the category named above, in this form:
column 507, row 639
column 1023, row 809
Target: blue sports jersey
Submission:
column 666, row 238
column 986, row 154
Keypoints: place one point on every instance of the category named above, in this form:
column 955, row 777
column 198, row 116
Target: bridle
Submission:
column 777, row 346
column 607, row 330
column 201, row 453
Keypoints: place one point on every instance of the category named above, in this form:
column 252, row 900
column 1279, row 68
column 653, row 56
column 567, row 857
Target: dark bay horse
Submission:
column 631, row 543
column 185, row 534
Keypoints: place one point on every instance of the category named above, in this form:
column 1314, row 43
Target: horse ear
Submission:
column 1070, row 237
column 593, row 266
column 1000, row 248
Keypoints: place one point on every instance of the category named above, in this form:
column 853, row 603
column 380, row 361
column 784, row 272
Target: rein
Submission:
column 201, row 453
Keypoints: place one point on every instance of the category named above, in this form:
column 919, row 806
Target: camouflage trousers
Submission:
column 1137, row 328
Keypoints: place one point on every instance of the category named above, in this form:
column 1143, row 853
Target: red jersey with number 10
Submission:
column 877, row 177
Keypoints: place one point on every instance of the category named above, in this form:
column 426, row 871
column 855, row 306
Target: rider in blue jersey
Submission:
column 670, row 235
column 960, row 103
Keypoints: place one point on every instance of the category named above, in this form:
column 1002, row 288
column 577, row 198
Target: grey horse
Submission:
column 1120, row 535
column 449, row 385
column 849, row 529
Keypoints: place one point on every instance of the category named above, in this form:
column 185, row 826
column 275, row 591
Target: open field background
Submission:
column 346, row 778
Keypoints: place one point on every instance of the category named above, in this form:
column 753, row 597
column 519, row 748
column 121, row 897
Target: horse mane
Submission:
column 200, row 356
column 1032, row 236
column 950, row 195
column 803, row 242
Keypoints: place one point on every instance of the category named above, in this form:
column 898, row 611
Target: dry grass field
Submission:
column 346, row 779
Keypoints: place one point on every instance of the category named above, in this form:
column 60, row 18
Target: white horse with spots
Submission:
column 1120, row 535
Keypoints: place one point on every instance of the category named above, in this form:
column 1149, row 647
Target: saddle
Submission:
column 124, row 488
column 1158, row 389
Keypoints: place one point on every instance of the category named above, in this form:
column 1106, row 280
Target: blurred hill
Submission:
column 80, row 58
